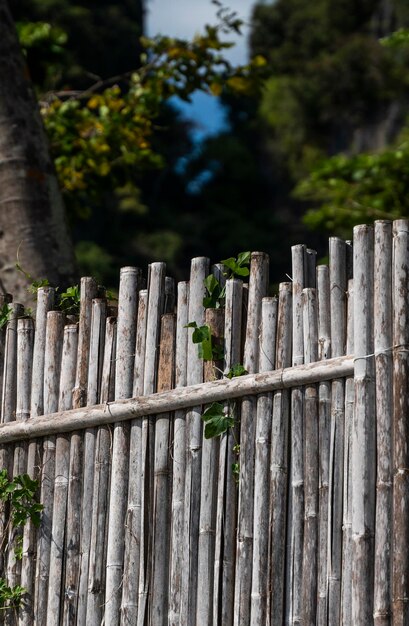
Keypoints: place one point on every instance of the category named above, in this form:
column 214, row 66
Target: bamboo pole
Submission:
column 180, row 398
column 214, row 318
column 25, row 336
column 129, row 609
column 52, row 369
column 258, row 284
column 400, row 554
column 296, row 494
column 279, row 462
column 198, row 272
column 156, row 289
column 170, row 295
column 130, row 280
column 383, row 335
column 311, row 464
column 45, row 300
column 97, row 559
column 363, row 435
column 227, row 493
column 96, row 352
column 179, row 459
column 338, row 290
column 260, row 579
column 5, row 298
column 162, row 480
column 8, row 408
column 62, row 465
column 324, row 409
column 88, row 291
column 347, row 564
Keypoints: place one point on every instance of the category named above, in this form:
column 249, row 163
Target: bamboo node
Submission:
column 402, row 471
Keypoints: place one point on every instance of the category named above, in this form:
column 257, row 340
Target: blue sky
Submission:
column 184, row 18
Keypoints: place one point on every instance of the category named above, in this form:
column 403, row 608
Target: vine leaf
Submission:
column 216, row 420
column 236, row 370
column 239, row 266
column 203, row 337
column 214, row 299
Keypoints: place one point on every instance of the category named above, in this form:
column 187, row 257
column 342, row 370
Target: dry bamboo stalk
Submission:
column 296, row 494
column 8, row 408
column 140, row 344
column 198, row 272
column 162, row 479
column 45, row 300
column 324, row 408
column 170, row 295
column 279, row 462
column 96, row 352
column 156, row 289
column 311, row 467
column 260, row 581
column 214, row 318
column 311, row 268
column 338, row 289
column 25, row 336
column 363, row 434
column 258, row 284
column 52, row 369
column 129, row 608
column 347, row 564
column 6, row 298
column 97, row 559
column 179, row 459
column 88, row 291
column 400, row 554
column 226, row 517
column 180, row 398
column 383, row 337
column 130, row 280
column 62, row 465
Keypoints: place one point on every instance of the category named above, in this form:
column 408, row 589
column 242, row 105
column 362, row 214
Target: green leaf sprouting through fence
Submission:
column 239, row 266
column 217, row 420
column 203, row 337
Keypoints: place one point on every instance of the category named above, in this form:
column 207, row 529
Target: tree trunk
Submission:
column 32, row 219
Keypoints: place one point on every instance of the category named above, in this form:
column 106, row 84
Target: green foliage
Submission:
column 217, row 421
column 207, row 349
column 5, row 312
column 215, row 297
column 236, row 370
column 34, row 285
column 69, row 300
column 238, row 266
column 19, row 492
column 10, row 597
column 357, row 189
column 107, row 130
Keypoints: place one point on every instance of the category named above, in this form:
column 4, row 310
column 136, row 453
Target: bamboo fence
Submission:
column 296, row 515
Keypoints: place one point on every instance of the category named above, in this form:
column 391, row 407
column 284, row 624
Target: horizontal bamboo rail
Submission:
column 180, row 398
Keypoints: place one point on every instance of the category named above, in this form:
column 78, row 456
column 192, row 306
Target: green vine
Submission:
column 19, row 497
column 218, row 418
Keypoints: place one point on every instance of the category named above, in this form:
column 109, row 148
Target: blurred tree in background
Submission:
column 325, row 135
